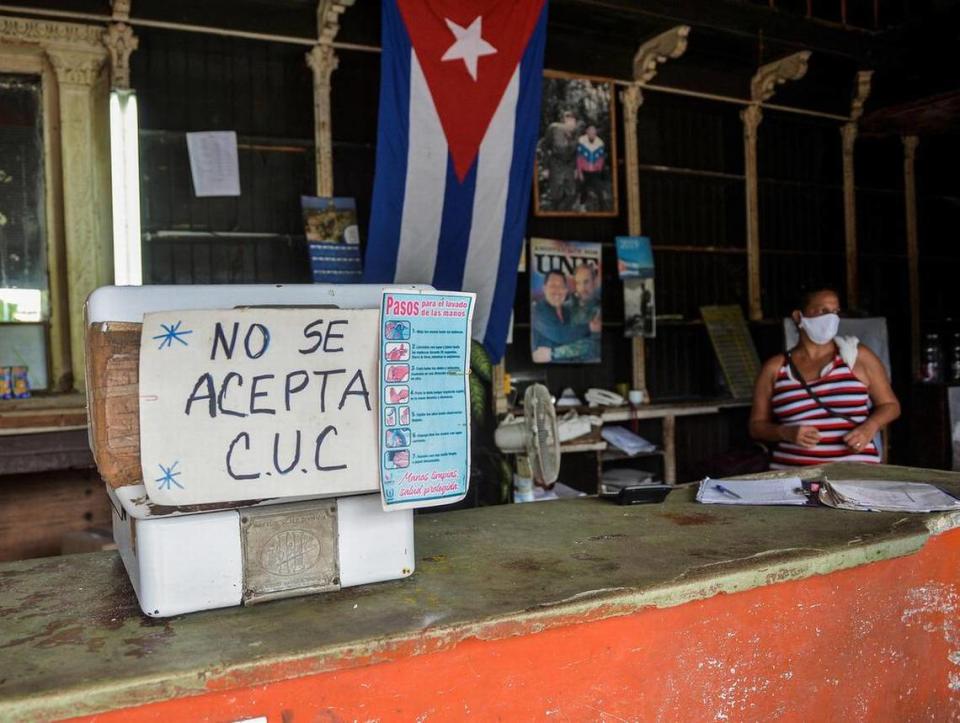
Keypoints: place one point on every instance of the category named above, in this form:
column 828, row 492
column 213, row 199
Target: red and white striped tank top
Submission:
column 837, row 389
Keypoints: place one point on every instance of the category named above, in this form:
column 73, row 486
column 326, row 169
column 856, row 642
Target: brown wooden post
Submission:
column 848, row 134
column 322, row 60
column 646, row 61
column 913, row 268
column 762, row 87
column 670, row 449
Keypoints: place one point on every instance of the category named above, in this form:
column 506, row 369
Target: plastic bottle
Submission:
column 931, row 370
column 955, row 359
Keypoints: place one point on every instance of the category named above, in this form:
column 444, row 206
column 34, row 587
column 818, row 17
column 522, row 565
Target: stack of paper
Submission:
column 886, row 496
column 626, row 441
column 782, row 491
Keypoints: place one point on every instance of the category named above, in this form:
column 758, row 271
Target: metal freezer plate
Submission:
column 289, row 550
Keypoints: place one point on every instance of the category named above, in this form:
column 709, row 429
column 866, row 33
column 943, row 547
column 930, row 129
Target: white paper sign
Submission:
column 244, row 404
column 213, row 163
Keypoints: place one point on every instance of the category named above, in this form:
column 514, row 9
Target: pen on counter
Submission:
column 726, row 491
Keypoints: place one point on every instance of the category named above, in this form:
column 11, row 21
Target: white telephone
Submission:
column 603, row 398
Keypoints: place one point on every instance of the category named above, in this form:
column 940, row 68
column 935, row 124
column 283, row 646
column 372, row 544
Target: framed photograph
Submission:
column 565, row 302
column 635, row 267
column 576, row 164
column 330, row 226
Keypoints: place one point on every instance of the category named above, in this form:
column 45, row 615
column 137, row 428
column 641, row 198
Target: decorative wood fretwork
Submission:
column 120, row 10
column 861, row 91
column 328, row 19
column 120, row 42
column 913, row 269
column 657, row 50
column 769, row 76
column 48, row 33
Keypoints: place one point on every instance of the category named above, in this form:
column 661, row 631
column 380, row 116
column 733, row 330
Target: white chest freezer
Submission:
column 200, row 557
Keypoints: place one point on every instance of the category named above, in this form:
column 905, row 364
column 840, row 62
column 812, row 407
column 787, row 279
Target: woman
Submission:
column 820, row 401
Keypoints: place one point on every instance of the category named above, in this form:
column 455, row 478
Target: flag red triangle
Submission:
column 466, row 105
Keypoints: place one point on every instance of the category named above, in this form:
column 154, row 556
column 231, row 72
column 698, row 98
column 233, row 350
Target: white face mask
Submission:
column 821, row 329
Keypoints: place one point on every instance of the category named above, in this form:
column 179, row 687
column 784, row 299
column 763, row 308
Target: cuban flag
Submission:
column 459, row 114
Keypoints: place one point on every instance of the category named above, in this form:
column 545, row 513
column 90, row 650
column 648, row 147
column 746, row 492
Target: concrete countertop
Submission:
column 73, row 641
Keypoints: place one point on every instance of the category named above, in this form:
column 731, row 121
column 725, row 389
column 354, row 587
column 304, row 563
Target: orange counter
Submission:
column 568, row 610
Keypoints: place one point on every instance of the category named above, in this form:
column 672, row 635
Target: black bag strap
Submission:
column 813, row 395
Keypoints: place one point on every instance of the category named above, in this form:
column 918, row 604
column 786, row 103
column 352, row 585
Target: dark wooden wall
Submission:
column 691, row 154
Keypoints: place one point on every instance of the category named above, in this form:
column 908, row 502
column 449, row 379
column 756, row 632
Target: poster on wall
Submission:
column 576, row 157
column 635, row 267
column 425, row 398
column 565, row 295
column 330, row 226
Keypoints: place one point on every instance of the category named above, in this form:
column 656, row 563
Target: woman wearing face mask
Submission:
column 822, row 401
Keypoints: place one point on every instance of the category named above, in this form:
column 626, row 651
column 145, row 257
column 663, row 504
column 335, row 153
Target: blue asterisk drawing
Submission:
column 168, row 479
column 171, row 333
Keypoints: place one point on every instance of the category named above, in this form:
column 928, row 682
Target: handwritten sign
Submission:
column 247, row 404
column 424, row 398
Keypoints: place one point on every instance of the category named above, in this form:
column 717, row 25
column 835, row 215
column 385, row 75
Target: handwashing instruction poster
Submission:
column 424, row 397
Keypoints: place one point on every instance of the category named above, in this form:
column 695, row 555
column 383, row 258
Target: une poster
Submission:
column 565, row 295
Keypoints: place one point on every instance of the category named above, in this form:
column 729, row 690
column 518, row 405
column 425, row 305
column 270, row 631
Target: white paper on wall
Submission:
column 244, row 404
column 214, row 163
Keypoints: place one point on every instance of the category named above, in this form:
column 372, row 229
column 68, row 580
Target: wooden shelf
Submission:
column 616, row 455
column 583, row 447
column 52, row 413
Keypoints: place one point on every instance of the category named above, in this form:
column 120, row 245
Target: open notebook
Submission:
column 886, row 496
column 780, row 491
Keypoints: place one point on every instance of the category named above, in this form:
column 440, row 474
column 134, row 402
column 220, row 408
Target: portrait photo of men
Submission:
column 576, row 152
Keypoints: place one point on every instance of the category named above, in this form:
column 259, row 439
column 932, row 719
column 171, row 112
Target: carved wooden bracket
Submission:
column 666, row 45
column 120, row 10
column 328, row 18
column 751, row 116
column 769, row 76
column 322, row 60
column 861, row 92
column 120, row 42
column 631, row 98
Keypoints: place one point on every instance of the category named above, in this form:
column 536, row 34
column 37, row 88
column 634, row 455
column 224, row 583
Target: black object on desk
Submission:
column 640, row 494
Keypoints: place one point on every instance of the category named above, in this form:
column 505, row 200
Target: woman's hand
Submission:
column 596, row 326
column 859, row 438
column 542, row 354
column 804, row 436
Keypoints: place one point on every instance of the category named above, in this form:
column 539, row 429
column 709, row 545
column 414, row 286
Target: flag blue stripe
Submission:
column 521, row 181
column 393, row 135
column 455, row 228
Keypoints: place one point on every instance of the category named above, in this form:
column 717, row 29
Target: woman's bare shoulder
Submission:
column 773, row 364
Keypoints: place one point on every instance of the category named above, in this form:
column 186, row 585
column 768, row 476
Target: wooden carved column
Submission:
column 913, row 267
column 762, row 87
column 631, row 98
column 751, row 117
column 848, row 134
column 120, row 43
column 322, row 60
column 84, row 138
column 646, row 61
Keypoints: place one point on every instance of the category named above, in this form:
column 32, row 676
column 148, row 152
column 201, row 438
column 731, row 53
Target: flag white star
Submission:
column 468, row 45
